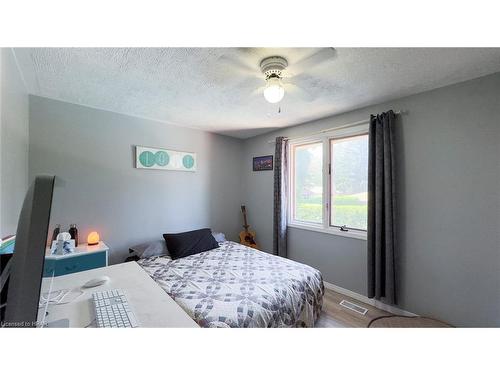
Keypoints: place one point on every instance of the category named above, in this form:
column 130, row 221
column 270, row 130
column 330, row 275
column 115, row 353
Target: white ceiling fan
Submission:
column 275, row 76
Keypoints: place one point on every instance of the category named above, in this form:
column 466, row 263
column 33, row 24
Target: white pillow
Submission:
column 219, row 236
column 150, row 249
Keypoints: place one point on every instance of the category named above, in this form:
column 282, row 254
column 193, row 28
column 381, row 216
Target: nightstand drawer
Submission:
column 75, row 263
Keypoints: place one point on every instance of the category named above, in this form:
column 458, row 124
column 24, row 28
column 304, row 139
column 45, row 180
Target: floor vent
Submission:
column 353, row 307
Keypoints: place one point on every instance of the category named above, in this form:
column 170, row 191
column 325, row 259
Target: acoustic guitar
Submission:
column 247, row 237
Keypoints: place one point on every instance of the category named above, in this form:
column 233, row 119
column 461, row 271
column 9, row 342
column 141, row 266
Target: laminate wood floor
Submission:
column 334, row 315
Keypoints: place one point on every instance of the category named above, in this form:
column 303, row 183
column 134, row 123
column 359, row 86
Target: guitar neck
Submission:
column 246, row 226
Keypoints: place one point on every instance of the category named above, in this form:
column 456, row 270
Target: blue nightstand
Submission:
column 85, row 257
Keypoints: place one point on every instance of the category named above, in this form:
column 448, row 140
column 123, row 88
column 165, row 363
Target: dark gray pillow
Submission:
column 150, row 249
column 181, row 245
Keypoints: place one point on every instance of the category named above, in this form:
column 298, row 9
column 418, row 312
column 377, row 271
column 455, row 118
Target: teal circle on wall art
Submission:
column 162, row 158
column 147, row 158
column 188, row 161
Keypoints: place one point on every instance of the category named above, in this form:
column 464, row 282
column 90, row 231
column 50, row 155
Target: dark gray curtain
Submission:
column 381, row 209
column 280, row 197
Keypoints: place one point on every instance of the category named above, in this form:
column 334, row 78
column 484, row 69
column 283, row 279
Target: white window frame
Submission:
column 325, row 138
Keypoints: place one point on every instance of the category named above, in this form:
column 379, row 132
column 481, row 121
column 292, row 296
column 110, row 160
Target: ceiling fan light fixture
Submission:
column 272, row 67
column 274, row 90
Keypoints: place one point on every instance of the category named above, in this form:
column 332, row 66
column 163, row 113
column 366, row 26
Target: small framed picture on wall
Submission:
column 263, row 163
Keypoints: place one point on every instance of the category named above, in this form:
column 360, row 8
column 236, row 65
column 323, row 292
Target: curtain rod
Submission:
column 337, row 128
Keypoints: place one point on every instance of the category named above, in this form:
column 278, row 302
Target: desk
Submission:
column 150, row 304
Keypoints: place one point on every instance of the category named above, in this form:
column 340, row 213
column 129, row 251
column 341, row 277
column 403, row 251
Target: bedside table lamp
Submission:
column 93, row 238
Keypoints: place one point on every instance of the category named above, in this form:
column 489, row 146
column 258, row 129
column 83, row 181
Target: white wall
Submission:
column 91, row 153
column 14, row 127
column 448, row 178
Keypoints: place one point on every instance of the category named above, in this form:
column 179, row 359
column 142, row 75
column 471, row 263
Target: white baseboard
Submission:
column 368, row 301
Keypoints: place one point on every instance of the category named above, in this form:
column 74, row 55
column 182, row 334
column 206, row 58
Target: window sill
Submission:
column 360, row 235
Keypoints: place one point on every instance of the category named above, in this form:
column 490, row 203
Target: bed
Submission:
column 237, row 286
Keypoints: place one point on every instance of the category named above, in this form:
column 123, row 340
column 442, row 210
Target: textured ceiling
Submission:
column 217, row 89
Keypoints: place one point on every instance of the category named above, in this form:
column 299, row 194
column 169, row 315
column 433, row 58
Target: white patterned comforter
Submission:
column 237, row 286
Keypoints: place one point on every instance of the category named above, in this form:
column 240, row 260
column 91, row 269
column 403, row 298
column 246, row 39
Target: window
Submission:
column 329, row 183
column 308, row 183
column 349, row 182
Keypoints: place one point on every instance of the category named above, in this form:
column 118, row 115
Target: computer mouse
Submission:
column 96, row 282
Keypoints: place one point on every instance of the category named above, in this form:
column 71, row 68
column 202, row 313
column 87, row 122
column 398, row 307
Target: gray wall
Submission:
column 91, row 153
column 449, row 204
column 14, row 115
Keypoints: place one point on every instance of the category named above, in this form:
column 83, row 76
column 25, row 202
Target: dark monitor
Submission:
column 26, row 273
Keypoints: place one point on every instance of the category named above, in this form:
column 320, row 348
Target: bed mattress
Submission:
column 237, row 286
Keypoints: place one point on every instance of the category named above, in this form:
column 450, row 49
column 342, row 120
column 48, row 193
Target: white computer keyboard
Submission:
column 112, row 310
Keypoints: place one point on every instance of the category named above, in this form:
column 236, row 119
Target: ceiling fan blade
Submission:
column 299, row 92
column 320, row 57
column 301, row 79
column 239, row 66
column 249, row 84
column 258, row 91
